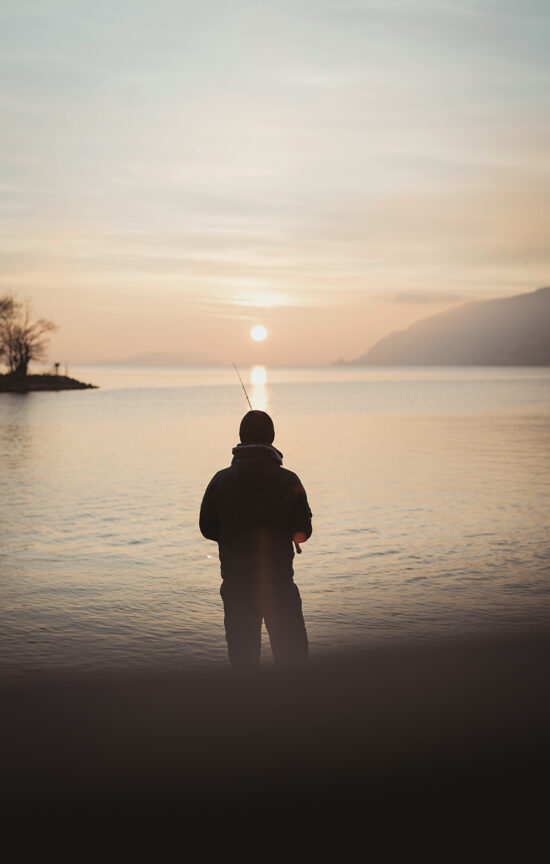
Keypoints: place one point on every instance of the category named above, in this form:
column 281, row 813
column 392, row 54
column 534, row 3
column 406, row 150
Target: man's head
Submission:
column 256, row 428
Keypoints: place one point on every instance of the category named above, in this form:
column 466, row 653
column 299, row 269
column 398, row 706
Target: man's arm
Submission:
column 300, row 521
column 208, row 519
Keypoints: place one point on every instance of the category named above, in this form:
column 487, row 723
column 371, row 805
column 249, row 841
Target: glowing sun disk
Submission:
column 258, row 333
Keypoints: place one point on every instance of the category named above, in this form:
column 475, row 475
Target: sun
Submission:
column 258, row 333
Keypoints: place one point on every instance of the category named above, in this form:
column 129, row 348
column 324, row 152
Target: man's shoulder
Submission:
column 219, row 476
column 290, row 478
column 289, row 475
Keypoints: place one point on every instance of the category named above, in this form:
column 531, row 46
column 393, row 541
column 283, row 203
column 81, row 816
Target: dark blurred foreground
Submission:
column 453, row 735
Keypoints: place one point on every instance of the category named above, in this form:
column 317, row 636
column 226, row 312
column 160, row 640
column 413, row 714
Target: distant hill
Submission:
column 511, row 331
column 159, row 358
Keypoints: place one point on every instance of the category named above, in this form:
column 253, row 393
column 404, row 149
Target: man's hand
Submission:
column 299, row 537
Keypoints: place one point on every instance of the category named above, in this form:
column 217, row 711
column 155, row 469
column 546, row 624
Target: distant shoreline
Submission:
column 12, row 383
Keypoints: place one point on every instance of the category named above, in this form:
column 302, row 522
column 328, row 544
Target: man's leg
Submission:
column 282, row 608
column 243, row 625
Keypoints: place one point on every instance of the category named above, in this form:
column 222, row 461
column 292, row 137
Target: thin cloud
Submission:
column 425, row 297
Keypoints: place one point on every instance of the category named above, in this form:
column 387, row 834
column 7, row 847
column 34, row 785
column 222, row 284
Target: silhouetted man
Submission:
column 254, row 510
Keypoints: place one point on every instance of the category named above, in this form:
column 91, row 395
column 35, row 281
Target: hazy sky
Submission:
column 175, row 171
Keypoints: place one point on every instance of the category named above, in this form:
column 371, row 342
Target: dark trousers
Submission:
column 280, row 606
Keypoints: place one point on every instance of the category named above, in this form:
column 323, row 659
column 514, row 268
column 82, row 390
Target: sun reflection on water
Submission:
column 258, row 375
column 258, row 395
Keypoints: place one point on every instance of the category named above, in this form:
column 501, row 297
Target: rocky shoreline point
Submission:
column 12, row 383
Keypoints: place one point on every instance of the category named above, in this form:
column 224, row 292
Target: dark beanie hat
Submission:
column 256, row 428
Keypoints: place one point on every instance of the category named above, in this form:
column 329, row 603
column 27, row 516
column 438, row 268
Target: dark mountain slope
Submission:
column 512, row 331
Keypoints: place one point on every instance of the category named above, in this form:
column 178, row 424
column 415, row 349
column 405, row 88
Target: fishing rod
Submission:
column 242, row 385
column 297, row 545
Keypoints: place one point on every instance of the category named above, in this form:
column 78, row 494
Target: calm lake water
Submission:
column 430, row 491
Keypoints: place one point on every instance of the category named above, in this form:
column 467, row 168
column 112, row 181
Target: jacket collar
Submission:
column 247, row 451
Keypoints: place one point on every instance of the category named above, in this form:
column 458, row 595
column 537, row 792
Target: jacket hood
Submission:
column 254, row 465
column 259, row 452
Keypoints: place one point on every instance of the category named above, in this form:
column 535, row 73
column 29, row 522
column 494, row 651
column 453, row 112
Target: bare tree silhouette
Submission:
column 22, row 339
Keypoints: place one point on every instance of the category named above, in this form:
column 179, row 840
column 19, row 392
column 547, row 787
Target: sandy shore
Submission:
column 382, row 733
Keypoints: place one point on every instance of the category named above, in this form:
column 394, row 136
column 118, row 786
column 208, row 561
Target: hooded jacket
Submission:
column 252, row 509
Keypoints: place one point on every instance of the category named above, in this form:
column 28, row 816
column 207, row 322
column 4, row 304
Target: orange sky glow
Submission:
column 173, row 174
